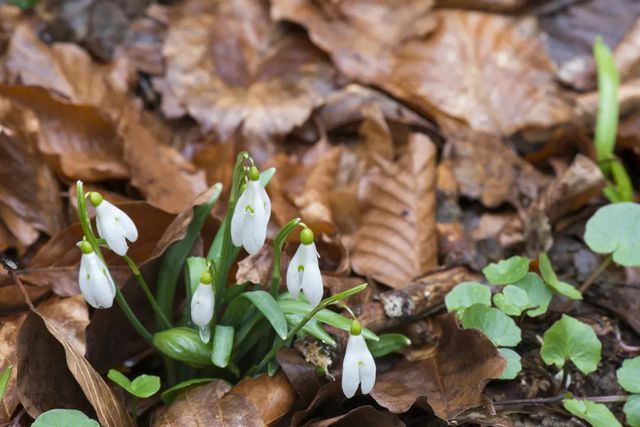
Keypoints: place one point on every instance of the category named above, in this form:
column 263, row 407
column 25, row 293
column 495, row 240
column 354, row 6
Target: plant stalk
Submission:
column 147, row 292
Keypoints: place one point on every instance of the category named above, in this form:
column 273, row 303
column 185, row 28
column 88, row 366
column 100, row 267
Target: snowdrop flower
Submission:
column 303, row 273
column 358, row 367
column 113, row 225
column 96, row 283
column 251, row 215
column 202, row 303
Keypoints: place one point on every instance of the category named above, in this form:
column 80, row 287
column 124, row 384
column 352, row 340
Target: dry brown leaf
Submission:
column 9, row 328
column 240, row 69
column 212, row 404
column 360, row 35
column 73, row 382
column 452, row 380
column 488, row 170
column 397, row 239
column 158, row 171
column 256, row 268
column 273, row 396
column 361, row 416
column 501, row 6
column 489, row 70
column 145, row 37
column 80, row 141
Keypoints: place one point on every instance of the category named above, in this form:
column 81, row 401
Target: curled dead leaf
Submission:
column 273, row 396
column 397, row 239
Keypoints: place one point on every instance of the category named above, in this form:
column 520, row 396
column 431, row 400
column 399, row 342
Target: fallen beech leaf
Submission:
column 397, row 240
column 256, row 268
column 29, row 190
column 212, row 404
column 301, row 375
column 501, row 6
column 163, row 176
column 9, row 328
column 273, row 396
column 81, row 142
column 145, row 37
column 70, row 316
column 452, row 380
column 488, row 170
column 42, row 345
column 489, row 70
column 241, row 69
column 364, row 416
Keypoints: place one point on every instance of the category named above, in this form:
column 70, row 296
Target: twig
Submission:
column 559, row 398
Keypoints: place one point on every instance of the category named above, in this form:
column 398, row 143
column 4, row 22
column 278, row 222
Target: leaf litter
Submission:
column 420, row 140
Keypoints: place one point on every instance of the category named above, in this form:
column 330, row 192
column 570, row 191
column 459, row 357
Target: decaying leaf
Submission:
column 363, row 415
column 9, row 328
column 273, row 396
column 397, row 239
column 212, row 404
column 240, row 69
column 451, row 381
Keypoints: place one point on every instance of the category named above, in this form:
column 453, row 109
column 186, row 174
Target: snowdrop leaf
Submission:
column 614, row 229
column 507, row 271
column 513, row 367
column 497, row 326
column 311, row 327
column 552, row 280
column 596, row 414
column 632, row 410
column 570, row 339
column 222, row 345
column 183, row 344
column 629, row 375
column 467, row 294
column 387, row 344
column 64, row 417
column 4, row 379
column 271, row 310
column 512, row 301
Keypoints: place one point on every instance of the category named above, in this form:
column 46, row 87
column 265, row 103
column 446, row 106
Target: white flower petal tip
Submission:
column 115, row 227
column 358, row 367
column 251, row 218
column 303, row 274
column 96, row 283
column 202, row 304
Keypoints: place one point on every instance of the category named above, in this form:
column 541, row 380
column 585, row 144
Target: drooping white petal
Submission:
column 202, row 304
column 239, row 218
column 95, row 281
column 255, row 230
column 294, row 276
column 367, row 369
column 112, row 233
column 350, row 371
column 266, row 203
column 122, row 219
column 311, row 278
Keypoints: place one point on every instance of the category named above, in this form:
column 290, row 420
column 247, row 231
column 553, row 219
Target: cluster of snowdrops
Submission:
column 234, row 315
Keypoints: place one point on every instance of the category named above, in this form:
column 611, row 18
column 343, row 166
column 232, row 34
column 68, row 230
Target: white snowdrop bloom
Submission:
column 251, row 215
column 303, row 273
column 202, row 304
column 358, row 367
column 95, row 280
column 114, row 225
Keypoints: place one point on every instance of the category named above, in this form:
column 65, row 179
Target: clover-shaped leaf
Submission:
column 570, row 339
column 466, row 294
column 143, row 386
column 596, row 414
column 513, row 367
column 497, row 326
column 512, row 301
column 629, row 375
column 615, row 229
column 632, row 410
column 64, row 417
column 552, row 280
column 507, row 271
column 538, row 293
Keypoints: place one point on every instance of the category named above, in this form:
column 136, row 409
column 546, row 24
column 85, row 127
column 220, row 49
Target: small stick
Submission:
column 559, row 398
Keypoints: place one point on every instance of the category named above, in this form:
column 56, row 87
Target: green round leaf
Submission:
column 145, row 385
column 497, row 326
column 466, row 294
column 632, row 410
column 64, row 418
column 596, row 414
column 506, row 271
column 552, row 280
column 513, row 367
column 570, row 339
column 615, row 229
column 629, row 375
column 538, row 293
column 512, row 301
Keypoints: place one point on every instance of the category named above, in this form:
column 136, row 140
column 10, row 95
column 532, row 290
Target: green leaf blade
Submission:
column 271, row 310
column 514, row 365
column 222, row 345
column 632, row 410
column 63, row 418
column 387, row 344
column 497, row 326
column 629, row 375
column 570, row 339
column 145, row 385
column 552, row 280
column 615, row 229
column 507, row 271
column 183, row 344
column 597, row 414
column 466, row 294
column 5, row 375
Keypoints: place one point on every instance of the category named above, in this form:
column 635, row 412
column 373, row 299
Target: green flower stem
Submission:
column 597, row 272
column 281, row 237
column 279, row 342
column 85, row 223
column 147, row 292
column 224, row 262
